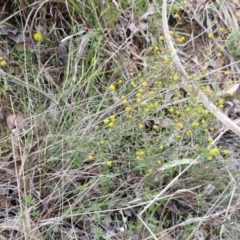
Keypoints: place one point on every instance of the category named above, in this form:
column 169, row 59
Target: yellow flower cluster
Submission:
column 139, row 154
column 214, row 151
column 180, row 40
column 110, row 121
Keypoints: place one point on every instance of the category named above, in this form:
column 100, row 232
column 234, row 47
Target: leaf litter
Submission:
column 127, row 44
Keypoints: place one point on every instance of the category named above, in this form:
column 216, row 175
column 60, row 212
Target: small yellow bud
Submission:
column 90, row 157
column 109, row 163
column 161, row 38
column 210, row 36
column 110, row 124
column 112, row 87
column 3, row 63
column 106, row 121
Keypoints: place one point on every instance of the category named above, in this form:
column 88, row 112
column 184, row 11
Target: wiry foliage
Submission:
column 103, row 135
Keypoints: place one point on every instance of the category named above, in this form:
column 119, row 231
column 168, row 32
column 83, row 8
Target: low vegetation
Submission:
column 115, row 119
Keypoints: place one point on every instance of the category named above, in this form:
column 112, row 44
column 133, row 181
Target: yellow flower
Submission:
column 182, row 39
column 106, row 121
column 154, row 68
column 155, row 104
column 102, row 142
column 214, row 151
column 179, row 124
column 226, row 72
column 138, row 95
column 221, row 30
column 113, row 118
column 150, row 170
column 161, row 38
column 189, row 133
column 124, row 101
column 209, row 158
column 144, row 84
column 210, row 35
column 141, row 126
column 171, row 110
column 141, row 153
column 3, row 63
column 110, row 124
column 112, row 87
column 225, row 152
column 109, row 163
column 166, row 60
column 127, row 109
column 219, row 55
column 159, row 162
column 120, row 81
column 210, row 140
column 37, row 37
column 161, row 147
column 195, row 124
column 90, row 157
column 175, row 78
column 138, row 158
column 134, row 85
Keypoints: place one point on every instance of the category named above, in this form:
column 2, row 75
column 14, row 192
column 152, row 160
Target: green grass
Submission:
column 109, row 152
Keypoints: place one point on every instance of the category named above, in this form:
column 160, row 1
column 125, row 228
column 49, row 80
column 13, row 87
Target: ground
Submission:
column 119, row 120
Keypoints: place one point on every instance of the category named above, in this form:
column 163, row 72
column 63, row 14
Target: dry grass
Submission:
column 111, row 120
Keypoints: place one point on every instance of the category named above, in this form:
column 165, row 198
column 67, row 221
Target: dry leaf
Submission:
column 234, row 89
column 218, row 69
column 5, row 202
column 15, row 121
column 184, row 194
column 130, row 66
column 62, row 53
column 165, row 123
column 11, row 32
